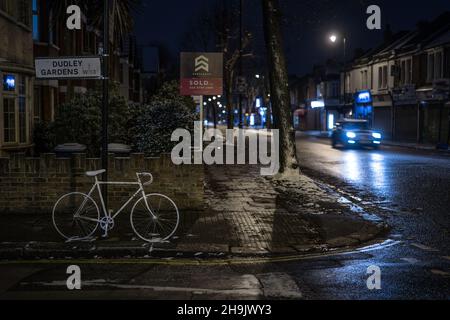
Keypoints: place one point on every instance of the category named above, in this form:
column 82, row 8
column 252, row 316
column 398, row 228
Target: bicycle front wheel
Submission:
column 76, row 216
column 155, row 218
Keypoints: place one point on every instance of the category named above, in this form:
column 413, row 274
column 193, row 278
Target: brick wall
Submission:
column 33, row 185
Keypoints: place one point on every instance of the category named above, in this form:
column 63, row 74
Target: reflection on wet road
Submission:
column 413, row 185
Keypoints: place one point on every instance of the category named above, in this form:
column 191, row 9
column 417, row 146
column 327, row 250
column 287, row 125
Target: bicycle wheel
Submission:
column 157, row 222
column 76, row 216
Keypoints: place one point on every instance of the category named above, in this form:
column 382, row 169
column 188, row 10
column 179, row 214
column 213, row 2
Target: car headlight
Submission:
column 376, row 135
column 351, row 135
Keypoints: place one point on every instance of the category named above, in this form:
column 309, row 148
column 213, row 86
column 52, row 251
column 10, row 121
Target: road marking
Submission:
column 423, row 247
column 410, row 260
column 440, row 273
column 212, row 262
column 254, row 292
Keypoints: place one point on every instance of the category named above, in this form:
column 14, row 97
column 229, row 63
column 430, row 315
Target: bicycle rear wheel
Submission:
column 76, row 216
column 157, row 222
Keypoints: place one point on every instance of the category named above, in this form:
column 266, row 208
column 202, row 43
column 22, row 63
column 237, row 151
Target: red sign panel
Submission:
column 201, row 74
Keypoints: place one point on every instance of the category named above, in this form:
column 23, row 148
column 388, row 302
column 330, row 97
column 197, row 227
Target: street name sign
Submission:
column 201, row 73
column 68, row 68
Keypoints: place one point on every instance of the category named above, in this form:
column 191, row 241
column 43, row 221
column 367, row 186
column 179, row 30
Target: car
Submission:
column 352, row 132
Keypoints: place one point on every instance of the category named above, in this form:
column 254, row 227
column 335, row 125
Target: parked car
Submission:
column 351, row 132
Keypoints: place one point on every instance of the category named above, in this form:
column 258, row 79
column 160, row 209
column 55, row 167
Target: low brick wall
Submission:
column 33, row 185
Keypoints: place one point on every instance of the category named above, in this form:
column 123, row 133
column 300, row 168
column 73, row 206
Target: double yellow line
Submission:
column 201, row 262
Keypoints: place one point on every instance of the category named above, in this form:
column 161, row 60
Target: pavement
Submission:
column 245, row 214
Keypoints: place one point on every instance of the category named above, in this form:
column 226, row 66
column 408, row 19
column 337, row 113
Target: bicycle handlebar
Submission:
column 145, row 174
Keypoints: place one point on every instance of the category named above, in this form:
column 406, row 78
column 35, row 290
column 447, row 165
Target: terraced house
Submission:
column 16, row 75
column 406, row 81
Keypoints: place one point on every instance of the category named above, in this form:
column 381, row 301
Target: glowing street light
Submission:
column 334, row 38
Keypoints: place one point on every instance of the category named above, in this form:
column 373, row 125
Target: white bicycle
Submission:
column 154, row 217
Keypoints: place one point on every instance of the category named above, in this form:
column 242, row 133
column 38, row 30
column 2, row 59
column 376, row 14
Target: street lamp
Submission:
column 334, row 38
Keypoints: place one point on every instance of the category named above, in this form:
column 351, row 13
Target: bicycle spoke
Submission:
column 75, row 216
column 155, row 219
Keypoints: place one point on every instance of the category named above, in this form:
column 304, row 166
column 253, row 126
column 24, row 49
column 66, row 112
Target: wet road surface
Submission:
column 412, row 186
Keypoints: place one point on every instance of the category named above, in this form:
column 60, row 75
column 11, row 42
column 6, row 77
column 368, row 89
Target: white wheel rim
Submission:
column 67, row 195
column 170, row 201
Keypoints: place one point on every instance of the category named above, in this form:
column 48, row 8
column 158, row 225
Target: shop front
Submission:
column 363, row 106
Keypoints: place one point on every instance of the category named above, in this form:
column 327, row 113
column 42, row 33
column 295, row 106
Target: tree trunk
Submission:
column 229, row 98
column 282, row 119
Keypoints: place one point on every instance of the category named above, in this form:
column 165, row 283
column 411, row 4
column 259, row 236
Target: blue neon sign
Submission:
column 9, row 82
column 364, row 97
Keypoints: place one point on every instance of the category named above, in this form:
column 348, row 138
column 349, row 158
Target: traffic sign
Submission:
column 68, row 68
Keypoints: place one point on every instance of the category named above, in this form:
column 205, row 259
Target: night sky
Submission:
column 307, row 24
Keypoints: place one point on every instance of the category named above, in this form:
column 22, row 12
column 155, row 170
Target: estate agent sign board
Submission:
column 201, row 74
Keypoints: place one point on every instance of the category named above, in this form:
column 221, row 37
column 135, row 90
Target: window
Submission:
column 9, row 120
column 383, row 77
column 24, row 12
column 334, row 89
column 37, row 99
column 35, row 10
column 406, row 72
column 9, row 83
column 435, row 66
column 22, row 110
column 364, row 79
column 3, row 5
column 380, row 77
column 15, row 113
column 438, row 63
column 7, row 6
column 347, row 83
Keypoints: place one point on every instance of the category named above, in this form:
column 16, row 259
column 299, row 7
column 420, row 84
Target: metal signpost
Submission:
column 85, row 67
column 105, row 114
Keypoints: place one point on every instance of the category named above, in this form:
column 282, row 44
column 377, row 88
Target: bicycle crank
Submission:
column 106, row 223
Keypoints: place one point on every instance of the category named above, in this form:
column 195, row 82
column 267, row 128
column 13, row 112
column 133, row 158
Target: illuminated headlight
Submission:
column 376, row 135
column 351, row 135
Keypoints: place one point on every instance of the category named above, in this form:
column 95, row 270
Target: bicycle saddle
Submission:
column 95, row 173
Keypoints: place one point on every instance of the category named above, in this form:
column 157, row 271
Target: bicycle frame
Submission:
column 97, row 185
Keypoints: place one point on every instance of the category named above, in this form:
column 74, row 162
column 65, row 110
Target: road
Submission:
column 413, row 186
column 410, row 189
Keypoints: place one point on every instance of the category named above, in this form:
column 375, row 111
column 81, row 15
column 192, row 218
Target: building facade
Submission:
column 16, row 75
column 406, row 82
